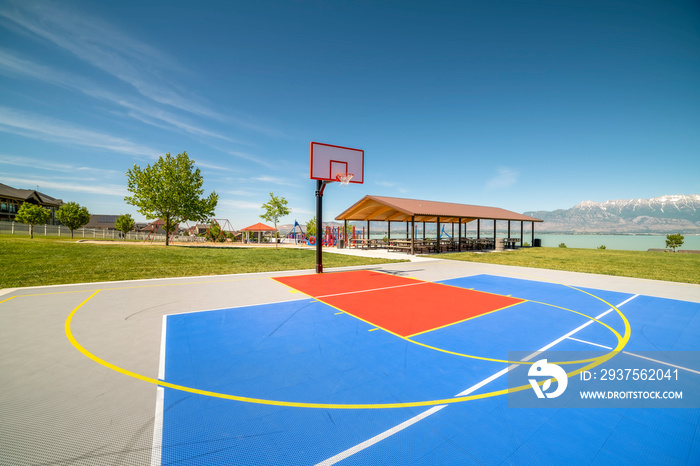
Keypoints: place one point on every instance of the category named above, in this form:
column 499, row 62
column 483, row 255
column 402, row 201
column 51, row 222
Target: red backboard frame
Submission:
column 327, row 160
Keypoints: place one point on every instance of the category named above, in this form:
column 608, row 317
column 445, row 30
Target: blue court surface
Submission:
column 324, row 387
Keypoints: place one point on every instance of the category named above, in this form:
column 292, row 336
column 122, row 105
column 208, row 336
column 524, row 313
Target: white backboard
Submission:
column 328, row 160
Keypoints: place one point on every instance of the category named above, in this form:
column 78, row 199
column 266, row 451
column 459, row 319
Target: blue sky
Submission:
column 525, row 105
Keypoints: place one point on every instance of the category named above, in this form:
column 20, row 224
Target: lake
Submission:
column 628, row 242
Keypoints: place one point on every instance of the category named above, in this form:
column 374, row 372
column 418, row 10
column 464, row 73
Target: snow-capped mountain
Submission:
column 663, row 214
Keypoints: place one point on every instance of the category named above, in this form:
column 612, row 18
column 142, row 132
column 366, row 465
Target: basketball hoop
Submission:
column 344, row 178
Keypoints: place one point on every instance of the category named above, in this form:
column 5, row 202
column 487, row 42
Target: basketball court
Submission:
column 405, row 363
column 397, row 364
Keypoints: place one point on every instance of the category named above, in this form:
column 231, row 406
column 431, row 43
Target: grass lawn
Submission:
column 637, row 264
column 52, row 261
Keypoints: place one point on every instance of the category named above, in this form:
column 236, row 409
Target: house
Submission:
column 157, row 226
column 12, row 198
column 103, row 222
column 198, row 229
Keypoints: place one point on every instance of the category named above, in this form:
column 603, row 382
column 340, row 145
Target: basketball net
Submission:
column 344, row 178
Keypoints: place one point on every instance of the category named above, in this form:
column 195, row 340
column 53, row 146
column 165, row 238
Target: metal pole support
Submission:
column 319, row 225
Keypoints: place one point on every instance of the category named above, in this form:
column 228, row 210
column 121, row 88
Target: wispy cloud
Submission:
column 274, row 180
column 102, row 45
column 199, row 164
column 78, row 186
column 299, row 211
column 389, row 184
column 242, row 204
column 246, row 156
column 37, row 164
column 13, row 65
column 504, row 178
column 239, row 192
column 48, row 129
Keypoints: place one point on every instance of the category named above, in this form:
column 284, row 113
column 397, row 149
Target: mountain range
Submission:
column 658, row 215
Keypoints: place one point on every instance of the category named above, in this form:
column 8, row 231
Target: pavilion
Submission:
column 260, row 228
column 411, row 211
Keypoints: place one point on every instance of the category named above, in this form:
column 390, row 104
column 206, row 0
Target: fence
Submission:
column 21, row 229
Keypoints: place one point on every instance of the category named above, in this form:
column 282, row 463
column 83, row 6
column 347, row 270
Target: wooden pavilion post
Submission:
column 437, row 243
column 494, row 234
column 413, row 234
column 459, row 245
column 345, row 233
column 478, row 228
column 423, row 231
column 533, row 234
column 521, row 233
column 388, row 231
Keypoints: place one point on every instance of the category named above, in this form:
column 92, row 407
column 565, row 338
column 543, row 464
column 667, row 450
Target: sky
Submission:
column 523, row 105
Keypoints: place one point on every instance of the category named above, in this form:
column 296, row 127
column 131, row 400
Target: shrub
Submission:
column 674, row 241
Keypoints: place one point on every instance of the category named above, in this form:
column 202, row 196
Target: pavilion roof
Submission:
column 396, row 209
column 259, row 227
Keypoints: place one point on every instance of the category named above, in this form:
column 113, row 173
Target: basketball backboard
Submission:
column 327, row 161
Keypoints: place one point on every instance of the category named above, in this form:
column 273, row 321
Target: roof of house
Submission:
column 27, row 195
column 158, row 223
column 380, row 208
column 259, row 227
column 102, row 221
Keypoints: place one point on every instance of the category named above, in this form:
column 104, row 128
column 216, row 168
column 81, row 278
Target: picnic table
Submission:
column 510, row 243
column 367, row 243
column 419, row 246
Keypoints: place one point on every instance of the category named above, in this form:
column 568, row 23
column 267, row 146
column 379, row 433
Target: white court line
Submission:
column 378, row 438
column 7, row 290
column 373, row 289
column 590, row 343
column 161, row 359
column 388, row 433
column 158, row 428
column 638, row 356
column 157, row 443
column 661, row 362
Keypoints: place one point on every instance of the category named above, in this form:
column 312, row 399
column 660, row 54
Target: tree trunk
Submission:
column 31, row 231
column 167, row 230
column 71, row 233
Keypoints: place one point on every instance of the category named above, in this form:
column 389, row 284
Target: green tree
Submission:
column 73, row 215
column 32, row 214
column 124, row 224
column 214, row 233
column 171, row 189
column 275, row 209
column 674, row 241
column 311, row 227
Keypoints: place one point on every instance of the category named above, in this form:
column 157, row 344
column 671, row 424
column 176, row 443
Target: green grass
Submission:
column 52, row 261
column 637, row 264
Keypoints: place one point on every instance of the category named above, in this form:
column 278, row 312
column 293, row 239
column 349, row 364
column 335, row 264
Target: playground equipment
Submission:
column 153, row 230
column 218, row 229
column 443, row 232
column 297, row 237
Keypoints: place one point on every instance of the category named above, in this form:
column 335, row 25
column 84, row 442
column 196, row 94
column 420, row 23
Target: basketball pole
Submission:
column 320, row 185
